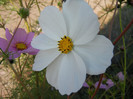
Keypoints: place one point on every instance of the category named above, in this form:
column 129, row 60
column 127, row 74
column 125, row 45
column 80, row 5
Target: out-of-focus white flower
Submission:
column 70, row 46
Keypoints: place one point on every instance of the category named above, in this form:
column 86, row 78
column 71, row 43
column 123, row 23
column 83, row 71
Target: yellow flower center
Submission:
column 65, row 45
column 21, row 46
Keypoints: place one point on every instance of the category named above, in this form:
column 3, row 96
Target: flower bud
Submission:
column 23, row 12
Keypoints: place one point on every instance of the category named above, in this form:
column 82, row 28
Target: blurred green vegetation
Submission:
column 4, row 2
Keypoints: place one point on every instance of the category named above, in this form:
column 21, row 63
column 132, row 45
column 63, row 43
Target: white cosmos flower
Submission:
column 70, row 47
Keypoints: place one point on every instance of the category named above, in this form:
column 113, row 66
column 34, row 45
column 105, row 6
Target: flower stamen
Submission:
column 65, row 45
column 21, row 46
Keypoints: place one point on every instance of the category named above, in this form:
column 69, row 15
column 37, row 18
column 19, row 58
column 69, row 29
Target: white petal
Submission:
column 42, row 42
column 44, row 58
column 52, row 71
column 67, row 73
column 96, row 54
column 81, row 21
column 52, row 23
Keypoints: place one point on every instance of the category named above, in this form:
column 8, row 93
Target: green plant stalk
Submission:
column 21, row 3
column 13, row 4
column 5, row 87
column 0, row 54
column 101, row 97
column 18, row 77
column 106, row 13
column 23, row 67
column 38, row 6
column 37, row 84
column 2, row 61
column 112, row 94
column 3, row 52
column 30, row 3
column 37, row 80
column 19, row 64
column 125, row 60
column 27, row 26
column 2, row 24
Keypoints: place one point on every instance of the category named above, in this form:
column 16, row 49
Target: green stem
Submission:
column 30, row 3
column 3, row 53
column 101, row 97
column 124, row 45
column 19, row 64
column 21, row 3
column 37, row 84
column 18, row 77
column 2, row 60
column 5, row 87
column 37, row 80
column 106, row 13
column 38, row 6
column 23, row 67
column 27, row 26
column 13, row 4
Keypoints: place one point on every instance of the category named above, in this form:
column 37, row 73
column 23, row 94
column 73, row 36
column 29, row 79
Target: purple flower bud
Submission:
column 108, row 84
column 120, row 76
column 85, row 85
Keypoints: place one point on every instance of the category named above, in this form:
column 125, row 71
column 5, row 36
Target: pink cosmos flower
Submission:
column 21, row 43
column 120, row 76
column 109, row 83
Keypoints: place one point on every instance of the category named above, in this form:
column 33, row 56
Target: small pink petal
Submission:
column 110, row 84
column 102, row 86
column 3, row 44
column 31, row 51
column 120, row 76
column 20, row 35
column 14, row 55
column 8, row 35
column 29, row 37
column 12, row 48
column 85, row 85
